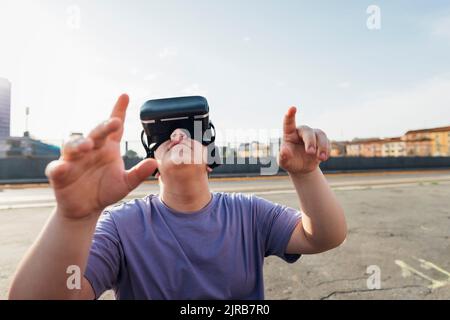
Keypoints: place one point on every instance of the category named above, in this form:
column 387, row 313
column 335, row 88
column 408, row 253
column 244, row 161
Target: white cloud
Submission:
column 150, row 77
column 280, row 83
column 425, row 105
column 441, row 27
column 134, row 71
column 344, row 85
column 247, row 39
column 167, row 53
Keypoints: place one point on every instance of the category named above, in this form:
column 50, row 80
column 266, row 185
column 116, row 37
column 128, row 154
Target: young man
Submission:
column 186, row 242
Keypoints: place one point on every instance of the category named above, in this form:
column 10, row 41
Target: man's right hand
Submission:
column 90, row 174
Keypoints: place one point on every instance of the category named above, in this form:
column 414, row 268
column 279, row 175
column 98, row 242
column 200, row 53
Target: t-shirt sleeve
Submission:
column 102, row 270
column 275, row 224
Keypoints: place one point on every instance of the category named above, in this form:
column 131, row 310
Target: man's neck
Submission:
column 187, row 196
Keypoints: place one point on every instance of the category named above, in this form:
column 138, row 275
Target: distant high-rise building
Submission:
column 5, row 108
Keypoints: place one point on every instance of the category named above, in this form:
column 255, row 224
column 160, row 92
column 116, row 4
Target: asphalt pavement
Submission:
column 397, row 246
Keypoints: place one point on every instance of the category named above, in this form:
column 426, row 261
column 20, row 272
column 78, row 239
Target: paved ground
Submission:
column 399, row 224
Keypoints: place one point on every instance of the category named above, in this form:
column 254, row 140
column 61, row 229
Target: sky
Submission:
column 69, row 60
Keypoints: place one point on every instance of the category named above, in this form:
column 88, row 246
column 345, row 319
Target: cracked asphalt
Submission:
column 400, row 230
column 385, row 225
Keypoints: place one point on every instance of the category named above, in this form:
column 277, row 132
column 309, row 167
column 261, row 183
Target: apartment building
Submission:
column 393, row 147
column 428, row 142
column 338, row 148
column 372, row 147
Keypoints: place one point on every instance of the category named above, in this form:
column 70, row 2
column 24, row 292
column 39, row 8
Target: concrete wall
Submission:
column 32, row 169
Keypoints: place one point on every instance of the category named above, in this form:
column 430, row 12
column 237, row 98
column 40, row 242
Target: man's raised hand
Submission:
column 303, row 147
column 90, row 174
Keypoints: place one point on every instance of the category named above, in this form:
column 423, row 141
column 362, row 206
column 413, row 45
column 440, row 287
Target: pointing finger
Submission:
column 119, row 111
column 289, row 126
column 120, row 107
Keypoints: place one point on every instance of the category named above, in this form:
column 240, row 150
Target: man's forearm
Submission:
column 323, row 217
column 42, row 274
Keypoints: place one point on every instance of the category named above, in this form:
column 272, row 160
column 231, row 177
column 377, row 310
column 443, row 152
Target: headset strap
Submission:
column 147, row 149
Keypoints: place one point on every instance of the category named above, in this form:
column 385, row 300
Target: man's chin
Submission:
column 186, row 159
column 179, row 161
column 187, row 167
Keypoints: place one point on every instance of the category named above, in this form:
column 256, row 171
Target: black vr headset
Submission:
column 160, row 117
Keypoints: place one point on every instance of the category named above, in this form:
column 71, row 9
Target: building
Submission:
column 433, row 142
column 274, row 148
column 74, row 135
column 5, row 108
column 27, row 147
column 253, row 150
column 393, row 147
column 419, row 147
column 338, row 148
column 372, row 147
column 227, row 151
column 353, row 149
column 428, row 142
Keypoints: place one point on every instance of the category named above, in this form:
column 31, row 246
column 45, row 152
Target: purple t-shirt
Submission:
column 145, row 250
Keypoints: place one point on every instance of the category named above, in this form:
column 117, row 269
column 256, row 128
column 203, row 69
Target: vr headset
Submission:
column 160, row 117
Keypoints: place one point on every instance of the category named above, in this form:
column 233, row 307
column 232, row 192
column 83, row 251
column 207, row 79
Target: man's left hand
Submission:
column 303, row 147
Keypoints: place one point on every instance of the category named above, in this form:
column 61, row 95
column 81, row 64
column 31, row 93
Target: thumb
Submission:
column 136, row 175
